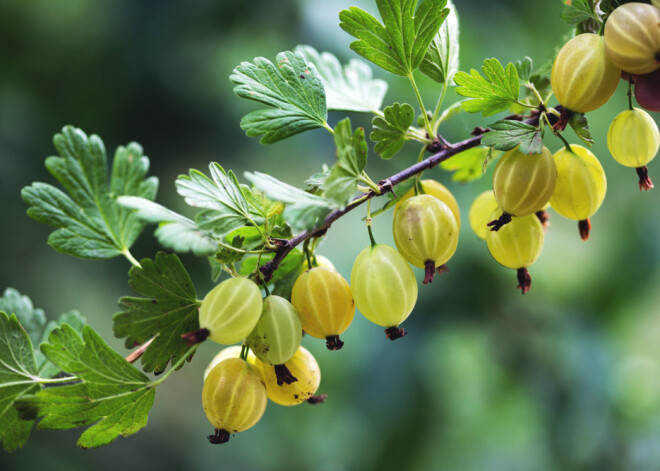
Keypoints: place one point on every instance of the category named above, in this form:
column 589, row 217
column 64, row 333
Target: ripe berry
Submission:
column 425, row 233
column 580, row 188
column 632, row 37
column 325, row 304
column 647, row 90
column 384, row 287
column 517, row 245
column 523, row 184
column 231, row 310
column 234, row 398
column 633, row 140
column 277, row 335
column 303, row 366
column 480, row 212
column 583, row 76
column 228, row 352
column 437, row 189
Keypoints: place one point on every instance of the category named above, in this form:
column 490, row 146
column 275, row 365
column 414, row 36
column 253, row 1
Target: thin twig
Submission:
column 383, row 187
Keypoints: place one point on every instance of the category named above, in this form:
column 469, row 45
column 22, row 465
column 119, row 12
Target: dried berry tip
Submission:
column 220, row 436
column 333, row 342
column 442, row 269
column 495, row 225
column 584, row 226
column 429, row 271
column 395, row 332
column 645, row 183
column 196, row 336
column 544, row 217
column 284, row 376
column 524, row 280
column 564, row 118
column 317, row 399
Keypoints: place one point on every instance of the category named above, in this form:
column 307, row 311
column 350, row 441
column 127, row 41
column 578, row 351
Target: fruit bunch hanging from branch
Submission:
column 262, row 235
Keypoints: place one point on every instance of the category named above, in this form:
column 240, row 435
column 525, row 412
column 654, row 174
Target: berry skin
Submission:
column 318, row 261
column 234, row 398
column 228, row 352
column 231, row 310
column 523, row 184
column 581, row 185
column 325, row 304
column 633, row 140
column 647, row 90
column 480, row 212
column 425, row 233
column 277, row 335
column 384, row 287
column 517, row 245
column 303, row 366
column 437, row 189
column 632, row 37
column 583, row 76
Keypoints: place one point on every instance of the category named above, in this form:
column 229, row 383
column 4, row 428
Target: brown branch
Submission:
column 384, row 186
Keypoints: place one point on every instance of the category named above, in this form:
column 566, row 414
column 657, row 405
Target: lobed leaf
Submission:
column 168, row 308
column 89, row 222
column 349, row 87
column 389, row 132
column 400, row 43
column 508, row 134
column 18, row 378
column 109, row 395
column 291, row 88
column 497, row 92
column 341, row 183
column 174, row 231
column 441, row 60
column 302, row 211
column 468, row 165
column 224, row 202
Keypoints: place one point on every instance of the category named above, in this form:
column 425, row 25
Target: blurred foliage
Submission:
column 566, row 377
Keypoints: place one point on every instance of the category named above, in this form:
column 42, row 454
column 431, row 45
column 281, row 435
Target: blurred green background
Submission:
column 565, row 378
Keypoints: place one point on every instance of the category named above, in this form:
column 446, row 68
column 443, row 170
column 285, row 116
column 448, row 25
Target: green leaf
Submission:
column 508, row 134
column 175, row 231
column 578, row 12
column 291, row 88
column 110, row 395
column 224, row 200
column 580, row 125
column 493, row 94
column 341, row 183
column 89, row 222
column 441, row 60
column 167, row 309
column 18, row 378
column 33, row 320
column 302, row 211
column 350, row 87
column 389, row 132
column 468, row 165
column 399, row 44
column 524, row 68
column 74, row 320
